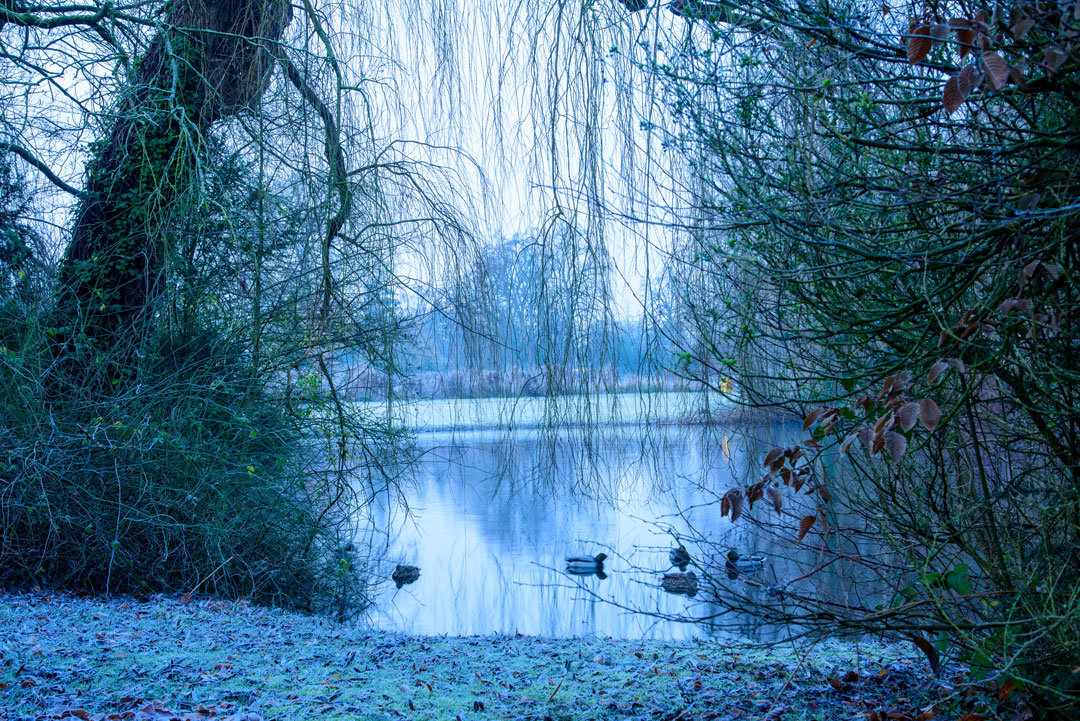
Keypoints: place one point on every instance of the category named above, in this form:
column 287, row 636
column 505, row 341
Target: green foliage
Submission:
column 17, row 237
column 176, row 458
column 189, row 479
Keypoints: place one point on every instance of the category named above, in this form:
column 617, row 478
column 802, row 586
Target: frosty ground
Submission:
column 160, row 658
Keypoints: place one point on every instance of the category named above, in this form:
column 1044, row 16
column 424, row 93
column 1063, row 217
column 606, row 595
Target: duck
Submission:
column 404, row 575
column 679, row 557
column 680, row 583
column 586, row 565
column 744, row 565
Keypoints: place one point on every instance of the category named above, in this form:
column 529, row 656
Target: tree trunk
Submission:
column 212, row 59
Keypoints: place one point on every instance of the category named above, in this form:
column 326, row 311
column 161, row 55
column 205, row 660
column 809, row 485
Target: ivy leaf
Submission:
column 957, row 579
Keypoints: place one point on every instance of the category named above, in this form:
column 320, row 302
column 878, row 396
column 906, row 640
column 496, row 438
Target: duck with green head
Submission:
column 679, row 557
column 586, row 565
column 737, row 565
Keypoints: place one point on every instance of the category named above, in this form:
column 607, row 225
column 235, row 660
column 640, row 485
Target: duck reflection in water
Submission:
column 586, row 565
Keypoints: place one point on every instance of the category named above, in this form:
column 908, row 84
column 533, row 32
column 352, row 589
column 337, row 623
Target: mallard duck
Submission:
column 586, row 565
column 745, row 565
column 679, row 557
column 680, row 583
column 403, row 575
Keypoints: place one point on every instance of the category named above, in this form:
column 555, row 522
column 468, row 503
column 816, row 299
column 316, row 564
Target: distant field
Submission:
column 531, row 412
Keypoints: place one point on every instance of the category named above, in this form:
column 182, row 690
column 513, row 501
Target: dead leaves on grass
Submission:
column 139, row 709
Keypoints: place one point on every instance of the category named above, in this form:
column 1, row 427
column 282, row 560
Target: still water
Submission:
column 492, row 515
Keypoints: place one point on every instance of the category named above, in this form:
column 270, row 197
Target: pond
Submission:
column 492, row 515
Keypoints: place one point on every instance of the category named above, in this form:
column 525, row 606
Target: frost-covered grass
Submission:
column 162, row 659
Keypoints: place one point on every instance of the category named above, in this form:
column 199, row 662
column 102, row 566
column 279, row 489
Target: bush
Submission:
column 885, row 244
column 189, row 479
column 166, row 460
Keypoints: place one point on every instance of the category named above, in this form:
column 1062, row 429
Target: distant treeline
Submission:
column 372, row 384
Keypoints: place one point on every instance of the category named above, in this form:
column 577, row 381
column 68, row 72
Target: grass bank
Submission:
column 161, row 658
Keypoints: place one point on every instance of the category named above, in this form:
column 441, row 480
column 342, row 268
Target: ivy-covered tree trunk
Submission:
column 211, row 59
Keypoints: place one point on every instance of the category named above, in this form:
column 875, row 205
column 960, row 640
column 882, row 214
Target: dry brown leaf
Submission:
column 935, row 371
column 884, row 423
column 776, row 497
column 952, row 97
column 811, row 418
column 866, row 437
column 848, row 441
column 1021, row 27
column 755, row 493
column 908, row 415
column 965, row 81
column 804, row 527
column 929, row 413
column 1054, row 57
column 919, row 44
column 879, row 443
column 733, row 502
column 772, row 456
column 927, row 648
column 997, row 70
column 966, row 38
column 896, row 444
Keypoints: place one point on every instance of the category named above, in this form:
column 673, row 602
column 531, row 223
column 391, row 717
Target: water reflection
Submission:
column 494, row 519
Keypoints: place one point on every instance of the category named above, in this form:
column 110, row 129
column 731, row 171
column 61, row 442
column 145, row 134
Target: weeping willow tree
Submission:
column 180, row 414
